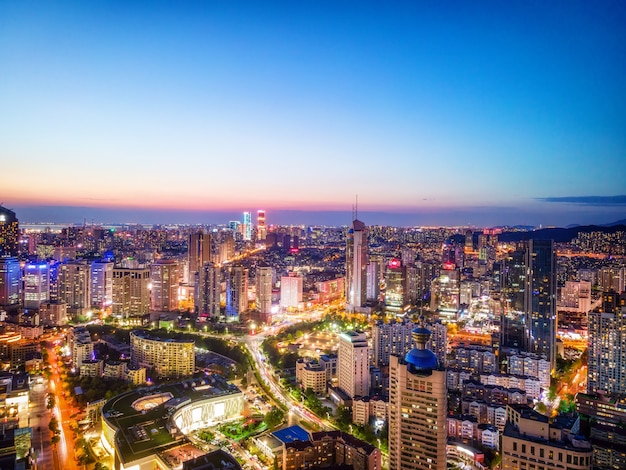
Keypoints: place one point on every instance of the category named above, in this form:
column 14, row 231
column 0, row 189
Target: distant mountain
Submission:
column 619, row 222
column 561, row 235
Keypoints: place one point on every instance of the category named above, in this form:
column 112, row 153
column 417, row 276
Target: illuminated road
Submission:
column 253, row 343
column 63, row 410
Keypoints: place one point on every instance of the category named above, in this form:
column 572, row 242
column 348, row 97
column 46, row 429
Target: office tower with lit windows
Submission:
column 356, row 266
column 607, row 346
column 9, row 232
column 261, row 230
column 353, row 364
column 446, row 292
column 131, row 291
column 73, row 286
column 165, row 279
column 227, row 246
column 373, row 281
column 10, row 283
column 36, row 281
column 394, row 287
column 101, row 284
column 540, row 299
column 236, row 292
column 199, row 251
column 417, row 409
column 207, row 290
column 291, row 291
column 513, row 288
column 612, row 278
column 264, row 283
column 246, row 226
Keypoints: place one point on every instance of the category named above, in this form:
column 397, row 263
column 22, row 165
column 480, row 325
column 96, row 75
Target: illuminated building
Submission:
column 356, row 265
column 207, row 290
column 291, row 291
column 264, row 283
column 372, row 290
column 167, row 357
column 131, row 291
column 446, row 292
column 53, row 313
column 540, row 299
column 199, row 251
column 532, row 441
column 10, row 282
column 394, row 287
column 236, row 292
column 227, row 246
column 311, row 374
column 393, row 338
column 607, row 346
column 576, row 296
column 81, row 346
column 246, row 226
column 73, row 286
column 353, row 365
column 513, row 286
column 612, row 278
column 146, row 428
column 261, row 229
column 9, row 232
column 101, row 284
column 165, row 279
column 417, row 409
column 36, row 285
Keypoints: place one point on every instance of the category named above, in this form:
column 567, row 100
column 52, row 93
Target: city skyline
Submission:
column 470, row 115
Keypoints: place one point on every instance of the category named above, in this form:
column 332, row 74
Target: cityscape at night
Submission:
column 312, row 235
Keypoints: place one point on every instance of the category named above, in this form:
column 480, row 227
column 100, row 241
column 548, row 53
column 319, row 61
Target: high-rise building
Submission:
column 236, row 292
column 393, row 338
column 532, row 440
column 291, row 291
column 36, row 284
column 417, row 409
column 373, row 281
column 356, row 265
column 394, row 287
column 264, row 277
column 261, row 230
column 9, row 232
column 607, row 346
column 131, row 291
column 612, row 278
column 513, row 286
column 165, row 279
column 446, row 292
column 353, row 365
column 73, row 286
column 540, row 299
column 227, row 246
column 576, row 296
column 167, row 357
column 207, row 290
column 10, row 282
column 246, row 226
column 101, row 284
column 199, row 251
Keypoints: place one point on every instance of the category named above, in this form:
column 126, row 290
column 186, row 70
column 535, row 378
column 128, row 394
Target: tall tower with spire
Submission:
column 417, row 409
column 356, row 265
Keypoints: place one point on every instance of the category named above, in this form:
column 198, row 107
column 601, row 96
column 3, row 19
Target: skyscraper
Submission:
column 207, row 290
column 101, row 284
column 291, row 290
column 264, row 276
column 36, row 285
column 236, row 292
column 10, row 282
column 391, row 339
column 131, row 291
column 353, row 365
column 9, row 232
column 356, row 266
column 246, row 226
column 394, row 287
column 200, row 250
column 513, row 286
column 165, row 279
column 540, row 299
column 73, row 286
column 261, row 231
column 417, row 409
column 607, row 346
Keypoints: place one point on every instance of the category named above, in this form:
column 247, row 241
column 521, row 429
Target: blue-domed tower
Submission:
column 417, row 408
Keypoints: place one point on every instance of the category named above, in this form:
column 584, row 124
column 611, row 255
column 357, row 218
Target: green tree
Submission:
column 274, row 417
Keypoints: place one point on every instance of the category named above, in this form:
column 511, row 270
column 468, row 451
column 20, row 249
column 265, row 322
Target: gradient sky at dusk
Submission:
column 432, row 112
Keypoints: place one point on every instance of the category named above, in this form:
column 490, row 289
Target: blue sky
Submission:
column 454, row 112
